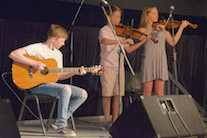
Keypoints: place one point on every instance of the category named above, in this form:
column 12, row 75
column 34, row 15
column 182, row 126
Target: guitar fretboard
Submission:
column 72, row 69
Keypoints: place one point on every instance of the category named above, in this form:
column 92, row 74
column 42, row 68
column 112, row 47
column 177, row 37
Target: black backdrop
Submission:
column 22, row 23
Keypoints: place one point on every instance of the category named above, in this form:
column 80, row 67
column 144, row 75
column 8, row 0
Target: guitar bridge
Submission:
column 30, row 72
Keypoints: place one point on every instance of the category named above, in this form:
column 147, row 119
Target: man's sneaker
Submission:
column 54, row 125
column 107, row 126
column 66, row 132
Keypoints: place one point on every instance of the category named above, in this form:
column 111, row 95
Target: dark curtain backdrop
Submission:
column 15, row 33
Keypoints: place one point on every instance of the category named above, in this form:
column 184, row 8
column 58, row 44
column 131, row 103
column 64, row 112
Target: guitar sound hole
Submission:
column 45, row 71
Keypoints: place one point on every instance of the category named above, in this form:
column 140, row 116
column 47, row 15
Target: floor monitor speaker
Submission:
column 8, row 125
column 168, row 116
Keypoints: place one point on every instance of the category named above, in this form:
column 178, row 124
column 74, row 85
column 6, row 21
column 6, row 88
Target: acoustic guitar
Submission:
column 26, row 77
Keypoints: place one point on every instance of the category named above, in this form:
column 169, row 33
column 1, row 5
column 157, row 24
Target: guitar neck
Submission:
column 71, row 69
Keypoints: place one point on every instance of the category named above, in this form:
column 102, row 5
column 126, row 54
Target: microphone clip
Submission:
column 172, row 8
column 103, row 2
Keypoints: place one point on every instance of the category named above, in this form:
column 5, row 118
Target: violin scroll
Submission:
column 194, row 26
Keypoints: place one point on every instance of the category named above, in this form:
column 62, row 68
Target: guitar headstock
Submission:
column 96, row 70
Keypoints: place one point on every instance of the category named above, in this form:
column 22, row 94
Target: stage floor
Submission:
column 86, row 127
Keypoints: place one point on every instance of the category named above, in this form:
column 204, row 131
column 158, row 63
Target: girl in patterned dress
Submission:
column 154, row 60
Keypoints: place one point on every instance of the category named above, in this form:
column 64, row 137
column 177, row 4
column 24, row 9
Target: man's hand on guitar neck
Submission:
column 82, row 71
column 63, row 76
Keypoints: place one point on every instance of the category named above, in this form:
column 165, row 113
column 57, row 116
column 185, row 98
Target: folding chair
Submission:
column 133, row 85
column 39, row 99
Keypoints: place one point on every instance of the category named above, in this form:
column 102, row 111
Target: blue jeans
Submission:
column 67, row 103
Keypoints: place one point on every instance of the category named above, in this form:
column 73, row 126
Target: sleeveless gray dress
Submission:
column 154, row 59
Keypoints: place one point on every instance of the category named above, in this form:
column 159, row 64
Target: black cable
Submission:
column 2, row 76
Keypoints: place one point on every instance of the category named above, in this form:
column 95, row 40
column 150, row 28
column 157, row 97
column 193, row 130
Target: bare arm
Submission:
column 177, row 36
column 106, row 41
column 18, row 56
column 130, row 49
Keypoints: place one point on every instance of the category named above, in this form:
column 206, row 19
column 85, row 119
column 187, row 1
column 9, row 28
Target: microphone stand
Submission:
column 71, row 37
column 175, row 79
column 119, row 52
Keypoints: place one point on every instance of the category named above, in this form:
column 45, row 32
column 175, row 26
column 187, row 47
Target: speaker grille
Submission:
column 167, row 116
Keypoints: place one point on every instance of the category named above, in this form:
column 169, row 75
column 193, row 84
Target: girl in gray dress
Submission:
column 154, row 61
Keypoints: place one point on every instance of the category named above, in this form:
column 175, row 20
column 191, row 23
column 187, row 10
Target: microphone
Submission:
column 171, row 10
column 103, row 2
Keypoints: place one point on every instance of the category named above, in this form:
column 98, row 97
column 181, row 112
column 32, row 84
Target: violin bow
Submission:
column 166, row 21
column 132, row 24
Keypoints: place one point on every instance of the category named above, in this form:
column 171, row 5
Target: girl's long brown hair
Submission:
column 144, row 19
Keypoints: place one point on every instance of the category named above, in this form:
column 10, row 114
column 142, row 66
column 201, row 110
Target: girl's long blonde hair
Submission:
column 144, row 19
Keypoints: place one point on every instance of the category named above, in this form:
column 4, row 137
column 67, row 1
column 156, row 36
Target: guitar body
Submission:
column 26, row 77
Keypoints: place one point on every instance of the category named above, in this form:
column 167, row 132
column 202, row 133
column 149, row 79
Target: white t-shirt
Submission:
column 41, row 51
column 109, row 53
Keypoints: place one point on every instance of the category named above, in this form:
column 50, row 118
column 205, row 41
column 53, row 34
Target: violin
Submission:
column 123, row 30
column 176, row 24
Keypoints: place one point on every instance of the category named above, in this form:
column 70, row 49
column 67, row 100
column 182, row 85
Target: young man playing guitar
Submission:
column 70, row 97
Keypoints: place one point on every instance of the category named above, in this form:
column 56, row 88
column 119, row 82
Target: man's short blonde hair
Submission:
column 113, row 8
column 57, row 31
